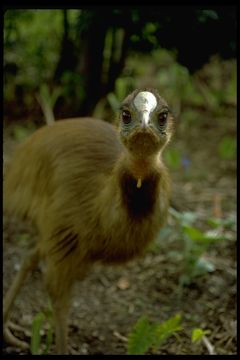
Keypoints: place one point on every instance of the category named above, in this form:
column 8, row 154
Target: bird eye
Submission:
column 126, row 117
column 162, row 118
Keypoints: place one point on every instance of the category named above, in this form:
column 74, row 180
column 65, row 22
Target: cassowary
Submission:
column 95, row 193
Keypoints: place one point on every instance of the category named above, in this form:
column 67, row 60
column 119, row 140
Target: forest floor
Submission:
column 110, row 300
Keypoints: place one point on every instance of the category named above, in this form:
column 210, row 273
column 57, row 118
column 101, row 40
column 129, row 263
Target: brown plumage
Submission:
column 95, row 194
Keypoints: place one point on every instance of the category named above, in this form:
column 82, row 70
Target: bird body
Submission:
column 96, row 193
column 68, row 176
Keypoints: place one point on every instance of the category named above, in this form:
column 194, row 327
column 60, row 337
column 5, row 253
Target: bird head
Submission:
column 145, row 122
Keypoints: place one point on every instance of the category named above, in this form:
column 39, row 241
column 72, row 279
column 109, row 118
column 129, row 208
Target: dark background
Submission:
column 81, row 56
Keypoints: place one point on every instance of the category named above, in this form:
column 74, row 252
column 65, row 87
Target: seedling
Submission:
column 199, row 335
column 37, row 325
column 146, row 335
column 195, row 242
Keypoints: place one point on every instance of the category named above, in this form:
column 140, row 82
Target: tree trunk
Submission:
column 92, row 61
column 117, row 64
column 67, row 59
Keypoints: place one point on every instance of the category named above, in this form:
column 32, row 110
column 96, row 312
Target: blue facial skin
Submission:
column 136, row 121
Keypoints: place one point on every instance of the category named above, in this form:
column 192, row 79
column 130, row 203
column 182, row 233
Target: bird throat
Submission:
column 142, row 168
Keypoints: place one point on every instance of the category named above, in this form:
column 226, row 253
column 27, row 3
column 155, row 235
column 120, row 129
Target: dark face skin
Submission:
column 145, row 123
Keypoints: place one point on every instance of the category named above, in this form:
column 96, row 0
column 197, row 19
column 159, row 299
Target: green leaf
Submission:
column 198, row 333
column 229, row 222
column 215, row 222
column 193, row 233
column 227, row 148
column 142, row 337
column 167, row 329
column 146, row 335
column 200, row 237
column 36, row 337
column 165, row 232
column 188, row 217
column 49, row 340
column 202, row 266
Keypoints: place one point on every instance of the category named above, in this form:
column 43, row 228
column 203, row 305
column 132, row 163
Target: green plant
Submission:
column 196, row 243
column 227, row 223
column 47, row 101
column 199, row 335
column 227, row 148
column 38, row 321
column 147, row 335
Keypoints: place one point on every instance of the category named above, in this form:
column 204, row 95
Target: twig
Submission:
column 208, row 345
column 119, row 336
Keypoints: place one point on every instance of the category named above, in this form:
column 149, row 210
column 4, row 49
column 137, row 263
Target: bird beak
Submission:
column 145, row 119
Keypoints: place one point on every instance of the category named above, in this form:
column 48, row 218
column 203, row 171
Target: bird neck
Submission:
column 140, row 167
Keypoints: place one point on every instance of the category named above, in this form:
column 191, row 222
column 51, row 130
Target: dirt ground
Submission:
column 110, row 300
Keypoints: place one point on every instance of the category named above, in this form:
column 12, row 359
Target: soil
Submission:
column 110, row 300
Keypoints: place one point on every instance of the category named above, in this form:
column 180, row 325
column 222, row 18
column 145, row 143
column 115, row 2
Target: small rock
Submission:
column 123, row 283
